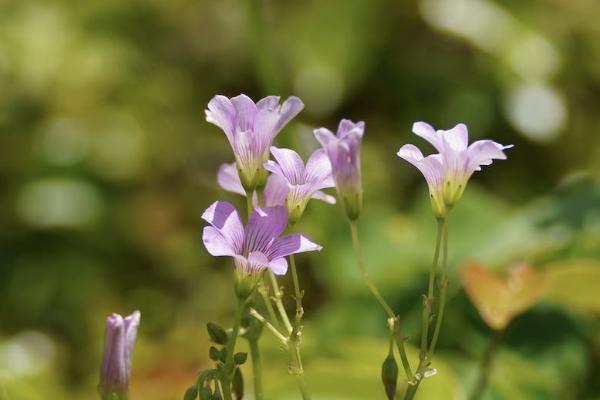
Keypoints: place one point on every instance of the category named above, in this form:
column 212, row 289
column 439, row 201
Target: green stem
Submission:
column 365, row 274
column 443, row 290
column 486, row 365
column 249, row 205
column 297, row 292
column 229, row 350
column 428, row 301
column 393, row 317
column 278, row 303
column 425, row 357
column 269, row 306
column 297, row 369
column 256, row 369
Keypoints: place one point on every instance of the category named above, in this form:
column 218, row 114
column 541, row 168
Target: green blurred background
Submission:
column 106, row 163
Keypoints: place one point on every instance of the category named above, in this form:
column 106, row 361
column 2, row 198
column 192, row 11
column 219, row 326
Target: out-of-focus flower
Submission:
column 250, row 129
column 499, row 299
column 343, row 150
column 257, row 246
column 118, row 346
column 448, row 172
column 302, row 182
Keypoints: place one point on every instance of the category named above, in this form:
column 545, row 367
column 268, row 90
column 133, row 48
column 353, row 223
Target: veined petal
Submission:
column 268, row 103
column 426, row 131
column 482, row 152
column 257, row 261
column 279, row 266
column 221, row 112
column 292, row 244
column 457, row 138
column 324, row 136
column 229, row 179
column 132, row 322
column 224, row 217
column 216, row 244
column 289, row 109
column 113, row 374
column 323, row 197
column 290, row 164
column 347, row 126
column 431, row 167
column 245, row 112
column 264, row 228
column 276, row 191
column 318, row 170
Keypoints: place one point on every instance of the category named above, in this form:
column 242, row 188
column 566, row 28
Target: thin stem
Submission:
column 297, row 369
column 229, row 350
column 297, row 292
column 256, row 369
column 365, row 274
column 428, row 301
column 278, row 303
column 249, row 205
column 395, row 332
column 284, row 340
column 486, row 365
column 443, row 290
column 269, row 305
column 425, row 358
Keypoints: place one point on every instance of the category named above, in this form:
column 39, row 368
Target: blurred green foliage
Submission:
column 106, row 163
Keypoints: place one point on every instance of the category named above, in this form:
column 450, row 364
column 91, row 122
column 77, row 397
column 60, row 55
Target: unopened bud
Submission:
column 389, row 376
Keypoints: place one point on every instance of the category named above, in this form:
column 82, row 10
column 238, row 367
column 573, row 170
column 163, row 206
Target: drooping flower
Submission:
column 448, row 172
column 118, row 346
column 250, row 129
column 343, row 150
column 303, row 182
column 257, row 246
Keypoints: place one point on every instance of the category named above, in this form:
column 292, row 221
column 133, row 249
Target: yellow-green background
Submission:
column 106, row 163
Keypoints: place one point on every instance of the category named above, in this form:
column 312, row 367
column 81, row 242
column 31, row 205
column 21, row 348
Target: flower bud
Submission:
column 237, row 384
column 118, row 346
column 389, row 376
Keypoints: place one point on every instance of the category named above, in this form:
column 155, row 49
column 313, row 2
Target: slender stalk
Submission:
column 428, row 301
column 486, row 365
column 393, row 317
column 425, row 357
column 365, row 274
column 297, row 369
column 269, row 305
column 399, row 339
column 284, row 340
column 256, row 369
column 443, row 290
column 278, row 303
column 229, row 349
column 249, row 205
column 297, row 292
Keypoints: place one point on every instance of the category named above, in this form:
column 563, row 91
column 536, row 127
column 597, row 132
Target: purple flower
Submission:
column 250, row 129
column 343, row 150
column 302, row 182
column 118, row 346
column 257, row 246
column 448, row 172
